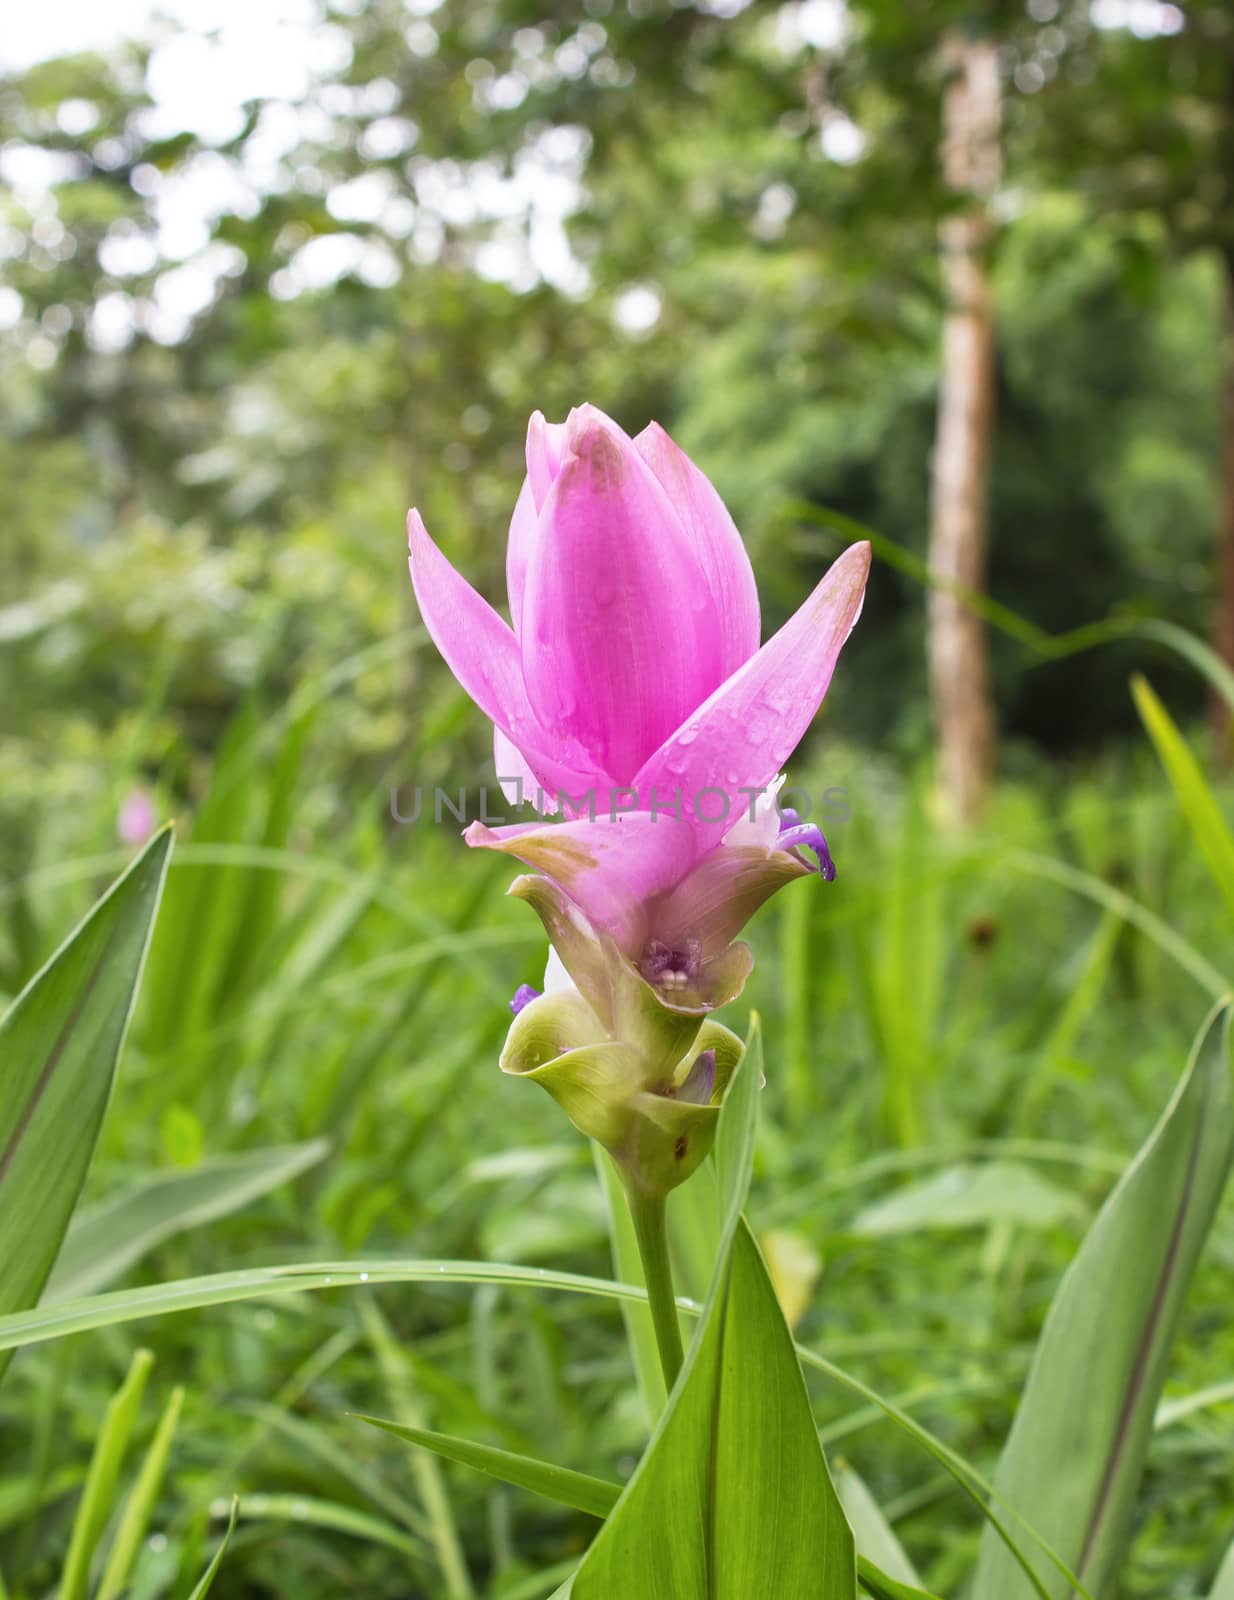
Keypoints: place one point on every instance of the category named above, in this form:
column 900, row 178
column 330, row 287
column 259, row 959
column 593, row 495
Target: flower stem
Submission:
column 650, row 1228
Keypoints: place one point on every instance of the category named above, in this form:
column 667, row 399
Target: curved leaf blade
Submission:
column 580, row 1490
column 259, row 1283
column 879, row 1586
column 1223, row 1588
column 876, row 1539
column 1192, row 790
column 109, row 1238
column 732, row 1496
column 59, row 1043
column 204, row 1584
column 1073, row 1460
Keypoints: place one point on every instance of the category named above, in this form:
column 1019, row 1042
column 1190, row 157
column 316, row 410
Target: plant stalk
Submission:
column 651, row 1230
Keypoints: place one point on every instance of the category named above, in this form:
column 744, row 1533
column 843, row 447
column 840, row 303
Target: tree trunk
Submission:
column 1223, row 609
column 958, row 656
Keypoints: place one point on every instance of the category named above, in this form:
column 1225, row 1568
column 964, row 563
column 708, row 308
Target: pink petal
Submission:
column 518, row 782
column 753, row 722
column 715, row 901
column 619, row 633
column 545, row 447
column 610, row 870
column 524, row 531
column 483, row 654
column 714, row 535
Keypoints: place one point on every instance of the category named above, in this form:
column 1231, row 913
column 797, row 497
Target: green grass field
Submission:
column 965, row 1042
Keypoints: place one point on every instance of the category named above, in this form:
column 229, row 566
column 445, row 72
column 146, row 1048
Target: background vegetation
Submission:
column 212, row 429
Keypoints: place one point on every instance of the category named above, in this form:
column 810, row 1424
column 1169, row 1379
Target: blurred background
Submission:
column 271, row 272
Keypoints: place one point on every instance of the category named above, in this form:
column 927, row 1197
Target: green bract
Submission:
column 642, row 1077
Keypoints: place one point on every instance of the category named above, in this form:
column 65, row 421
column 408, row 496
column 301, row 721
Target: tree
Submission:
column 959, row 662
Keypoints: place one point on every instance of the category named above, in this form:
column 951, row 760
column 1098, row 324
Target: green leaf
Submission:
column 106, row 1240
column 1214, row 983
column 94, row 1507
column 1072, row 1463
column 566, row 1487
column 875, row 1538
column 881, row 1587
column 202, row 1588
column 313, row 1512
column 396, row 1372
column 1195, row 797
column 1049, row 646
column 1223, row 1589
column 229, row 1288
column 970, row 1196
column 139, row 1507
column 732, row 1496
column 536, row 1586
column 59, row 1042
column 597, row 1496
column 261, row 1283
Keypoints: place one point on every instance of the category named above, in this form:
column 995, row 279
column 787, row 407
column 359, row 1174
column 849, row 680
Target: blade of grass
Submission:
column 107, row 1239
column 98, row 1494
column 1047, row 646
column 578, row 1489
column 1195, row 797
column 128, row 1305
column 202, row 1588
column 1186, row 955
column 139, row 1507
column 1223, row 1588
column 876, row 1539
column 434, row 1495
column 311, row 1511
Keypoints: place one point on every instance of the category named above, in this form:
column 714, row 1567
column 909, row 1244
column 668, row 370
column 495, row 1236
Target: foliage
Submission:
column 202, row 595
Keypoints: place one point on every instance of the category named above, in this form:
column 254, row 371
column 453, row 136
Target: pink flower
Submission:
column 137, row 818
column 632, row 694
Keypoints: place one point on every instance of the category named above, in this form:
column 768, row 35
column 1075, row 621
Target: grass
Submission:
column 974, row 1034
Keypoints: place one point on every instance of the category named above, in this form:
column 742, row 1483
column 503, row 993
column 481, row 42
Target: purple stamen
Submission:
column 795, row 834
column 669, row 968
column 523, row 996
